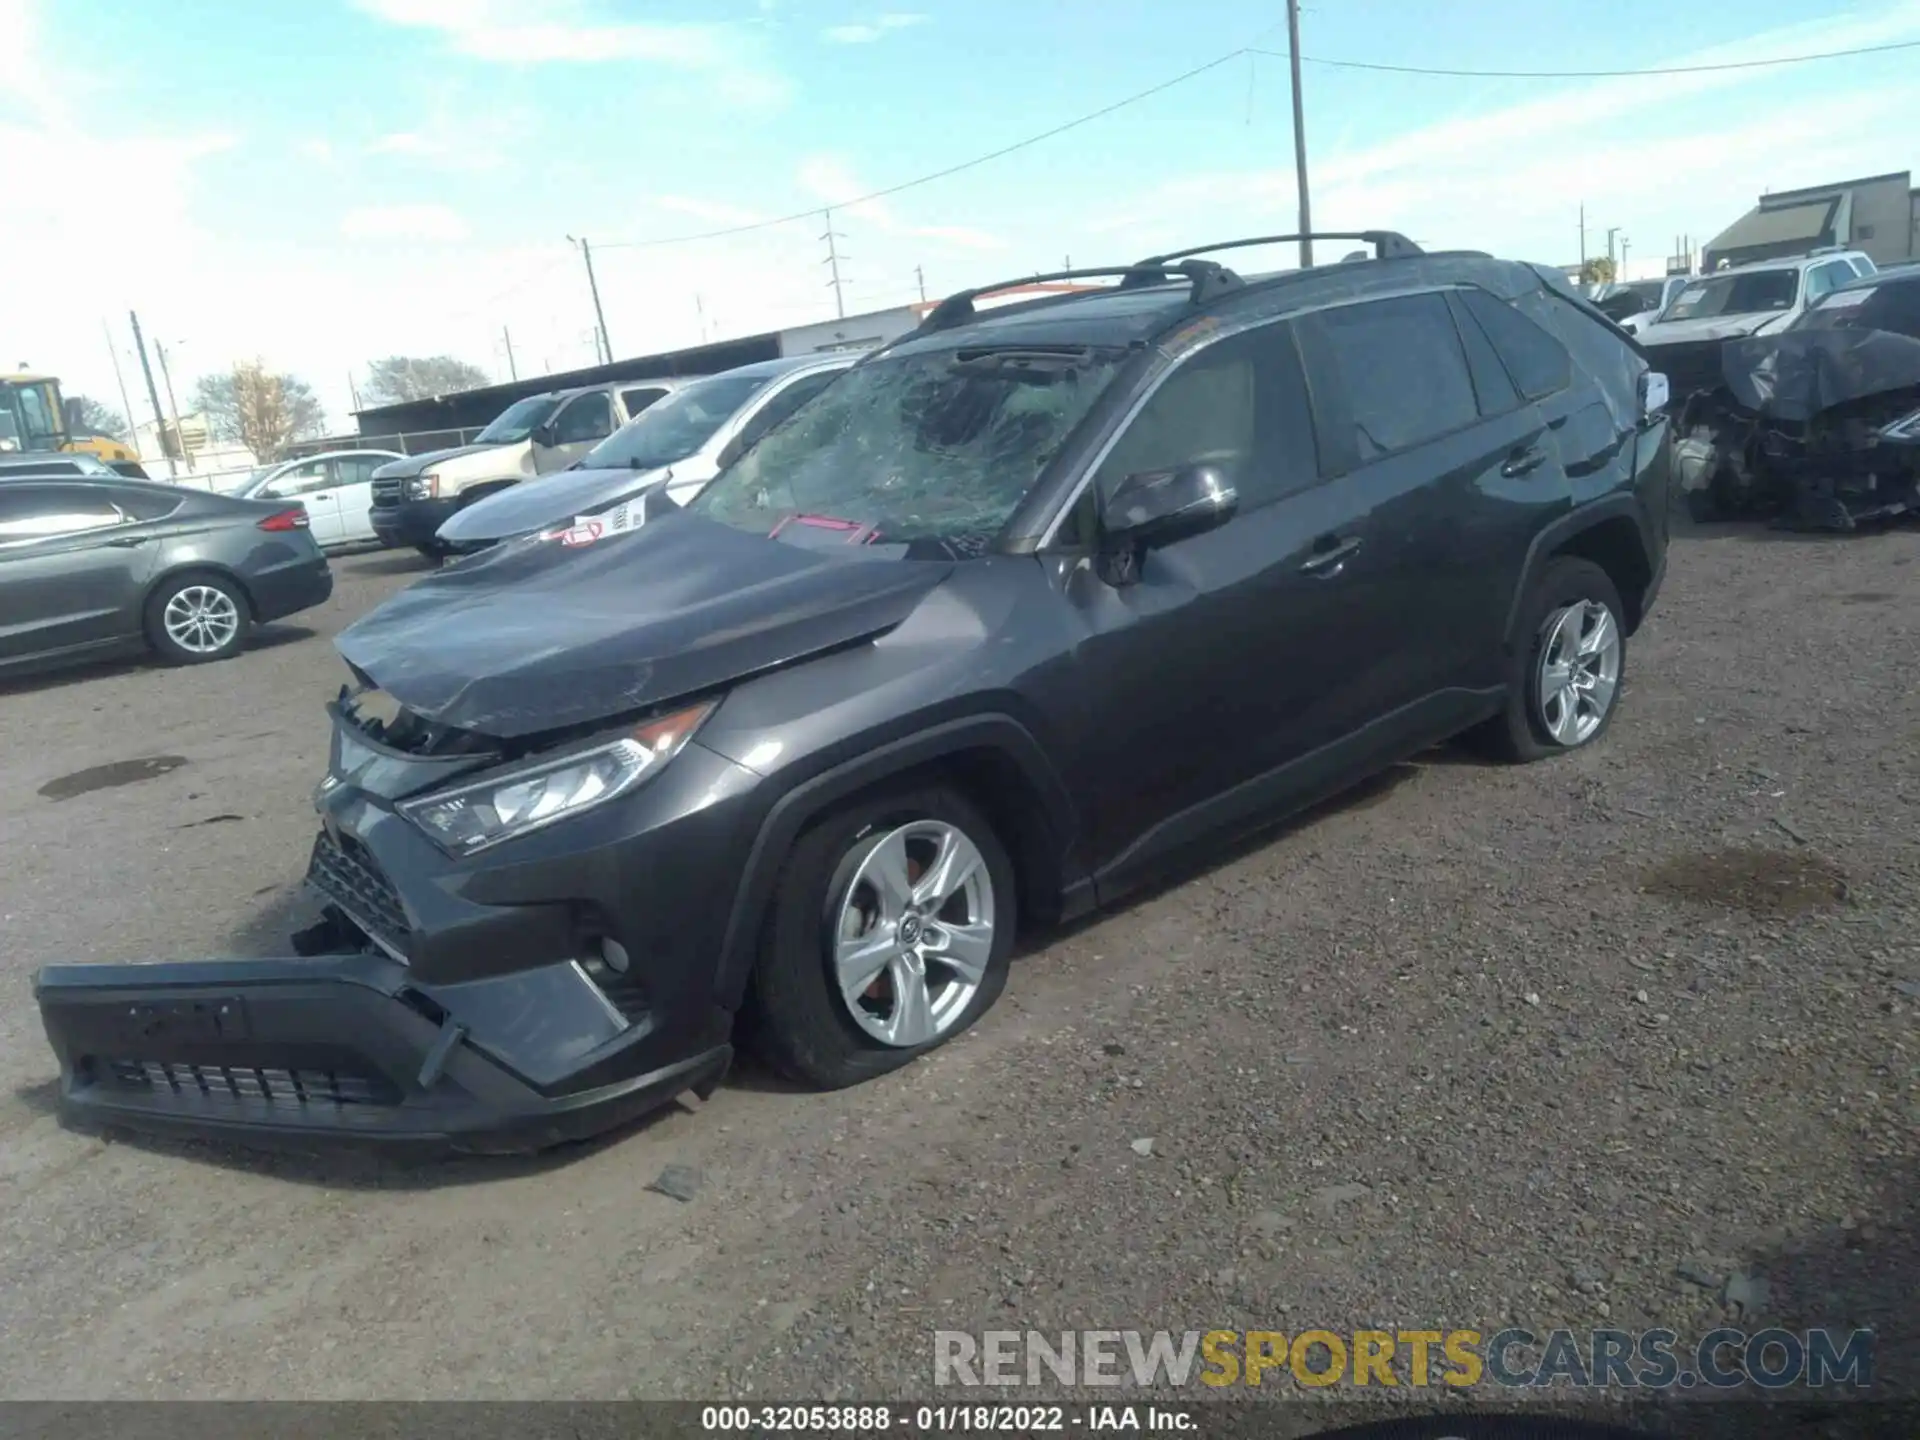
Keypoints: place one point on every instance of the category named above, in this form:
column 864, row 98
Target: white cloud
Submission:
column 404, row 142
column 866, row 32
column 829, row 179
column 403, row 222
column 534, row 32
column 715, row 212
column 320, row 152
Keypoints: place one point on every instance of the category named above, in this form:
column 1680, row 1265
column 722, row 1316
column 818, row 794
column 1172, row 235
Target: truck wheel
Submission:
column 196, row 618
column 1564, row 685
column 889, row 933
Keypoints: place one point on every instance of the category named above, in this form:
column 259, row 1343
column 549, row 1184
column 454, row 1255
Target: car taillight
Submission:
column 294, row 519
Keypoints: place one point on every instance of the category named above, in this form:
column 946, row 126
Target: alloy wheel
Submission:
column 202, row 619
column 913, row 933
column 1579, row 671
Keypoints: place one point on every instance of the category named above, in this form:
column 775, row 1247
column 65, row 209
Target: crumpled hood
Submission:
column 416, row 464
column 538, row 635
column 1796, row 375
column 544, row 501
column 1713, row 327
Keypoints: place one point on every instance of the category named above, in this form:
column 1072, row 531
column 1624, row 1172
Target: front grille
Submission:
column 235, row 1082
column 347, row 874
column 386, row 493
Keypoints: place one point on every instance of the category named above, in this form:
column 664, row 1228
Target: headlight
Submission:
column 472, row 817
column 423, row 487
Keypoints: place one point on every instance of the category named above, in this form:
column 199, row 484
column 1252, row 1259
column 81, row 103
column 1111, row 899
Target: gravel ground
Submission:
column 1472, row 1046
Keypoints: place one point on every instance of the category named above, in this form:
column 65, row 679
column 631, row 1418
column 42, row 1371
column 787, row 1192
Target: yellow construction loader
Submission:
column 33, row 417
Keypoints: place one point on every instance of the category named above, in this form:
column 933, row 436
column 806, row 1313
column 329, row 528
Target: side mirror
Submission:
column 1654, row 393
column 1157, row 507
column 542, row 435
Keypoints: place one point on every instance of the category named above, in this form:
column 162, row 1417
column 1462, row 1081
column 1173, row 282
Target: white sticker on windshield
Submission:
column 1841, row 299
column 1691, row 294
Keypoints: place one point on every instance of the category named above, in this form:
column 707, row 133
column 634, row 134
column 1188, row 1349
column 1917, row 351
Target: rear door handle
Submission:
column 1330, row 554
column 1527, row 457
column 323, row 495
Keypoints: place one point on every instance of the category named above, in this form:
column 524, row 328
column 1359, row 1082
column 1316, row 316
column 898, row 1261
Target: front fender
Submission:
column 806, row 801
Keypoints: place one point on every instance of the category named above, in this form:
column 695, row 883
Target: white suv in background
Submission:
column 1755, row 299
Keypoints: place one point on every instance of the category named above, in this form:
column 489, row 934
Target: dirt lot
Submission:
column 1474, row 1044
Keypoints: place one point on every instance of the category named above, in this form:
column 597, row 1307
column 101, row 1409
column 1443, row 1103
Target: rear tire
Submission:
column 1564, row 685
column 939, row 956
column 197, row 618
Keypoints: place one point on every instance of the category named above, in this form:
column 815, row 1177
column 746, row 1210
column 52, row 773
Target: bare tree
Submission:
column 405, row 377
column 264, row 412
column 88, row 416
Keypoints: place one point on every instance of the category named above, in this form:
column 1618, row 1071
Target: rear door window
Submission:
column 1492, row 386
column 1538, row 363
column 1400, row 370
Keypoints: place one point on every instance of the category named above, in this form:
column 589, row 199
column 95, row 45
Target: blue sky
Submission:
column 322, row 182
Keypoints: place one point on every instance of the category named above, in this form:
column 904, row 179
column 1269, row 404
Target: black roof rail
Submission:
column 1205, row 278
column 1387, row 244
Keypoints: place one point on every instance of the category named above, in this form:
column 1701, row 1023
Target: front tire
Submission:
column 889, row 933
column 198, row 618
column 1565, row 683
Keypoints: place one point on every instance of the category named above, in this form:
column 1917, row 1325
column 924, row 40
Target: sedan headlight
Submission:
column 471, row 817
column 423, row 487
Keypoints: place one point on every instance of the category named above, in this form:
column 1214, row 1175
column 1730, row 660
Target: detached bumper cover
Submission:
column 306, row 1053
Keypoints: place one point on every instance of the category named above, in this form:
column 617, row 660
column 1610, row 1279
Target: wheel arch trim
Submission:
column 806, row 801
column 1551, row 537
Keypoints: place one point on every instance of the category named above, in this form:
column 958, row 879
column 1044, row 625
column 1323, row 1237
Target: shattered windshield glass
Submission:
column 935, row 448
column 1623, row 302
column 673, row 428
column 516, row 422
column 1744, row 294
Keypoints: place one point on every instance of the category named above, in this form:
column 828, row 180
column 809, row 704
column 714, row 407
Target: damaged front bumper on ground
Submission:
column 307, row 1052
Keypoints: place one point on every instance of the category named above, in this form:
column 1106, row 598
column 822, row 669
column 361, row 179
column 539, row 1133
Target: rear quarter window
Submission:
column 1601, row 355
column 1538, row 363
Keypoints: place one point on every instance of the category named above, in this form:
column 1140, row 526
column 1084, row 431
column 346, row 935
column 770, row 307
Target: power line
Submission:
column 1216, row 63
column 1596, row 74
column 964, row 165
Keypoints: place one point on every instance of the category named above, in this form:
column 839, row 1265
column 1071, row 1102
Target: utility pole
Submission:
column 700, row 309
column 1612, row 230
column 599, row 315
column 153, row 394
column 1624, row 243
column 512, row 372
column 1299, row 133
column 833, row 264
column 173, row 406
column 126, row 404
column 353, row 389
column 920, row 278
column 1583, row 242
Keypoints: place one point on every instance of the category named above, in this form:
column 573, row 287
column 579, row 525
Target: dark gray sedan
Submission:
column 91, row 566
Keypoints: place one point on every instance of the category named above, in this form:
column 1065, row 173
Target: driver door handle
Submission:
column 1330, row 555
column 323, row 495
column 1527, row 457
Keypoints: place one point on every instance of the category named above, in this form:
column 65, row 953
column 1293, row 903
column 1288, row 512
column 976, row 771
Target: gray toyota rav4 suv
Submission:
column 1014, row 611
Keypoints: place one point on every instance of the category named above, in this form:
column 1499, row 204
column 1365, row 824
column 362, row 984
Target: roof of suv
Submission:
column 1158, row 294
